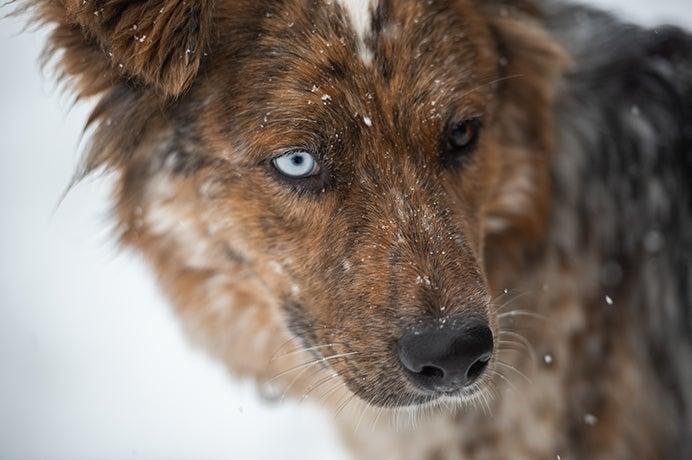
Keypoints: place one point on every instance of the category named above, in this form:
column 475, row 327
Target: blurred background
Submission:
column 93, row 364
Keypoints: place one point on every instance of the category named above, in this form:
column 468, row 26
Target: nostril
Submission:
column 477, row 368
column 432, row 372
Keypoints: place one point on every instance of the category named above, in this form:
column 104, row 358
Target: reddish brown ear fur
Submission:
column 158, row 43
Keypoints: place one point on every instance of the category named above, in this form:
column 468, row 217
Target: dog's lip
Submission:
column 433, row 398
column 429, row 396
column 468, row 390
column 423, row 398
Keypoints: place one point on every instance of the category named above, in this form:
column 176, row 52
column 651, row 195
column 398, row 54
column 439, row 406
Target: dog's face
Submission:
column 355, row 156
column 364, row 170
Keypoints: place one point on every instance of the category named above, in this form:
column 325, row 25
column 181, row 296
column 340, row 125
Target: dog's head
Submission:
column 352, row 160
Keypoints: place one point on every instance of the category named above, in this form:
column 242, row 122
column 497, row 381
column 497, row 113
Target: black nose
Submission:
column 446, row 356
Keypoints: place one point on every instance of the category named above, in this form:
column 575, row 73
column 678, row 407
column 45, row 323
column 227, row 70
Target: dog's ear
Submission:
column 532, row 63
column 135, row 58
column 157, row 43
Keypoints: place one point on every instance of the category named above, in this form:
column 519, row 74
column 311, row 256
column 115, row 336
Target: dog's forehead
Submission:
column 359, row 70
column 401, row 47
column 416, row 30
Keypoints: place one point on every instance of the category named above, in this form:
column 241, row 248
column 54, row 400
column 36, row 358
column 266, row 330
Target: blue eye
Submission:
column 297, row 164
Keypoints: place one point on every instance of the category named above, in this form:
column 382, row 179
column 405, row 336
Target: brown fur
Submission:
column 194, row 97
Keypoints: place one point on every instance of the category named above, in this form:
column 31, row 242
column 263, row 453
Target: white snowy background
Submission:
column 93, row 365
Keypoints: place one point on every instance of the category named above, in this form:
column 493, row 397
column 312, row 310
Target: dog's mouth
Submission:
column 392, row 386
column 414, row 398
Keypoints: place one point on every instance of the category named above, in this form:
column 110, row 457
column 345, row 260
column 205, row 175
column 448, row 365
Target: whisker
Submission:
column 490, row 391
column 366, row 406
column 483, row 395
column 301, row 350
column 529, row 314
column 499, row 298
column 287, row 342
column 293, row 120
column 343, row 405
column 513, row 299
column 311, row 363
column 379, row 413
column 282, row 346
column 523, row 340
column 509, row 350
column 397, row 414
column 295, row 379
column 511, row 342
column 490, row 83
column 318, row 384
column 325, row 396
column 502, row 363
column 509, row 382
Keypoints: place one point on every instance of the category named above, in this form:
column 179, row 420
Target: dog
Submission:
column 462, row 226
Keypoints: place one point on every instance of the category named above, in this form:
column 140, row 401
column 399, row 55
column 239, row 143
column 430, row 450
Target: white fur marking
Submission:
column 360, row 12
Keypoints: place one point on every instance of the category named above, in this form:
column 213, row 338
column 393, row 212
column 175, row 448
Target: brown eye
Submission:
column 460, row 141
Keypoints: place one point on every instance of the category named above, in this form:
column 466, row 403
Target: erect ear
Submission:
column 532, row 63
column 159, row 43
